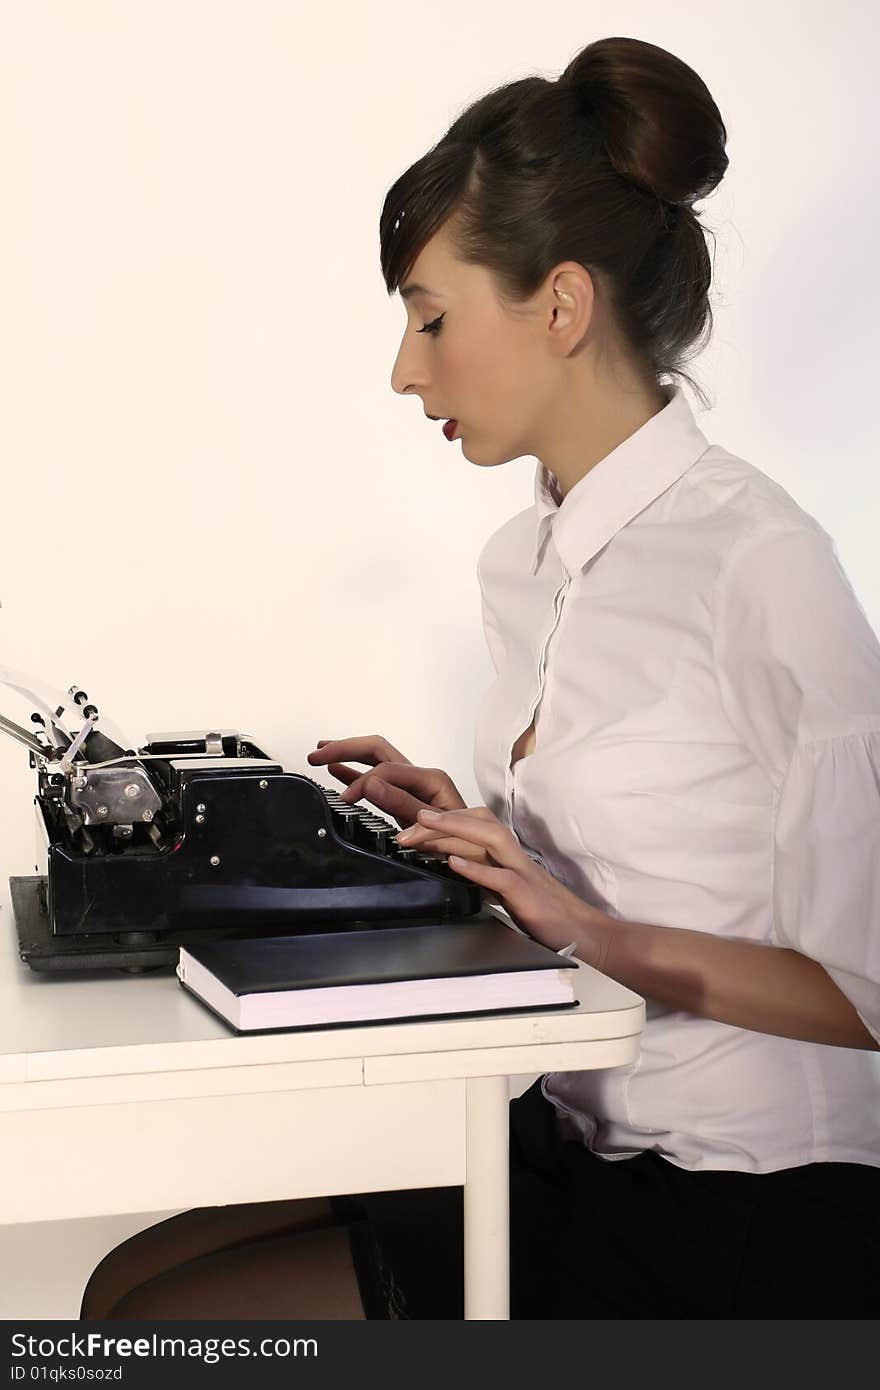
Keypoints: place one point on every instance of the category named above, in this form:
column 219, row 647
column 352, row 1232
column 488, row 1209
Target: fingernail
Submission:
column 405, row 836
column 429, row 815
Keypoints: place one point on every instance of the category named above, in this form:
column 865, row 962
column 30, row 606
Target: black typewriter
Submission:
column 198, row 836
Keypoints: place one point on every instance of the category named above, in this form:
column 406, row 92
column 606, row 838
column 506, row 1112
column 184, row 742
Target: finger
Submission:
column 498, row 839
column 415, row 836
column 427, row 781
column 361, row 749
column 486, row 875
column 368, row 748
column 343, row 773
column 350, row 776
column 397, row 802
column 398, row 780
column 378, row 787
column 445, row 847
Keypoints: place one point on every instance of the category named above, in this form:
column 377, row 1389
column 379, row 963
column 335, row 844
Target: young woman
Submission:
column 679, row 760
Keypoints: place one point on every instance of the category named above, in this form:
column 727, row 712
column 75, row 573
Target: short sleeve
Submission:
column 826, row 865
column 798, row 667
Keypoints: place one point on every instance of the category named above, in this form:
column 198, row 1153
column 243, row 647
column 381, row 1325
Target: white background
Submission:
column 215, row 510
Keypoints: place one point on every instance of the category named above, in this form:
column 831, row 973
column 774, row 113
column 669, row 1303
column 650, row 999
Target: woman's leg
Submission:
column 296, row 1274
column 190, row 1236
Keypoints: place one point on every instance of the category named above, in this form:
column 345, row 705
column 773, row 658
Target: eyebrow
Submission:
column 412, row 289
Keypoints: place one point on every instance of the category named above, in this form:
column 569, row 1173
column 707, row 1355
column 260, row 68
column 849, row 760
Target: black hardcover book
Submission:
column 387, row 973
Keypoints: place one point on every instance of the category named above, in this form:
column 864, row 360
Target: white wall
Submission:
column 214, row 508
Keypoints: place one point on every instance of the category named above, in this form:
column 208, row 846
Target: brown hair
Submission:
column 602, row 167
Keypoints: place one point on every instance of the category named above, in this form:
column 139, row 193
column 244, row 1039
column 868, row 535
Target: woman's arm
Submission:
column 769, row 989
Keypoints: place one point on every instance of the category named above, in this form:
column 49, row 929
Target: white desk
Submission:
column 123, row 1094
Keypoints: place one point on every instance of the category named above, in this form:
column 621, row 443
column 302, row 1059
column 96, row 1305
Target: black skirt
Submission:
column 632, row 1238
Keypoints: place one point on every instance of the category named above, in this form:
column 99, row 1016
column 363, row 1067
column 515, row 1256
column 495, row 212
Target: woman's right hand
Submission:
column 394, row 784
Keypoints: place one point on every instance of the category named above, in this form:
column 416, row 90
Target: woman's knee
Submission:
column 190, row 1235
column 298, row 1274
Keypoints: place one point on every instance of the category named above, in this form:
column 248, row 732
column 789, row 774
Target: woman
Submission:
column 679, row 760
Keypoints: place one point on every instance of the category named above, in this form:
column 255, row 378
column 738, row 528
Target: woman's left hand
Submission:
column 486, row 852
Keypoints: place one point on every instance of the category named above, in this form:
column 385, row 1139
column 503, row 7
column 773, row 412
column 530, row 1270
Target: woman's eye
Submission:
column 432, row 327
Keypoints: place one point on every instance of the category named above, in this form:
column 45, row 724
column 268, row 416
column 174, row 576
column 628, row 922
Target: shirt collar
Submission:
column 619, row 486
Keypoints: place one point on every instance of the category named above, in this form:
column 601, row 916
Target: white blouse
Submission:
column 705, row 692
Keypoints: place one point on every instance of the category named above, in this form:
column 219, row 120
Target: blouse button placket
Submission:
column 558, row 604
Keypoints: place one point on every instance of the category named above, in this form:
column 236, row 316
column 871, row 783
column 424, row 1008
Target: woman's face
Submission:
column 482, row 365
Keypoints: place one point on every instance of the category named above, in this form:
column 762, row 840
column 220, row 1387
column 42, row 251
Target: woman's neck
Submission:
column 588, row 425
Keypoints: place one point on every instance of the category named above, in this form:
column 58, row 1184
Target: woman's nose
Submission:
column 406, row 376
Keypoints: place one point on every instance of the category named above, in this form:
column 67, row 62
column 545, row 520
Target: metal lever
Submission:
column 70, row 754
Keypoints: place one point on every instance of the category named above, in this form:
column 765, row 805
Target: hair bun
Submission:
column 660, row 126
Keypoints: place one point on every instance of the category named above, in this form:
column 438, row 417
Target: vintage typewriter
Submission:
column 197, row 836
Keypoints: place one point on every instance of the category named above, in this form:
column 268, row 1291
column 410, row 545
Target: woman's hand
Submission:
column 394, row 785
column 486, row 852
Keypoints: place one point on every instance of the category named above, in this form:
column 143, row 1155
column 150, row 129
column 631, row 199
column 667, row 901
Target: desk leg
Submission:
column 486, row 1215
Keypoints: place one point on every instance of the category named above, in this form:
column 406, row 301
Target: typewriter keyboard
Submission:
column 363, row 828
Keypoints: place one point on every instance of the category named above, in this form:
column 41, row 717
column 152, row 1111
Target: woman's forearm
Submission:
column 769, row 989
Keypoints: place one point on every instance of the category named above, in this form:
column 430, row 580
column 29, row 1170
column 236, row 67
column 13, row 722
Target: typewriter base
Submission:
column 43, row 951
